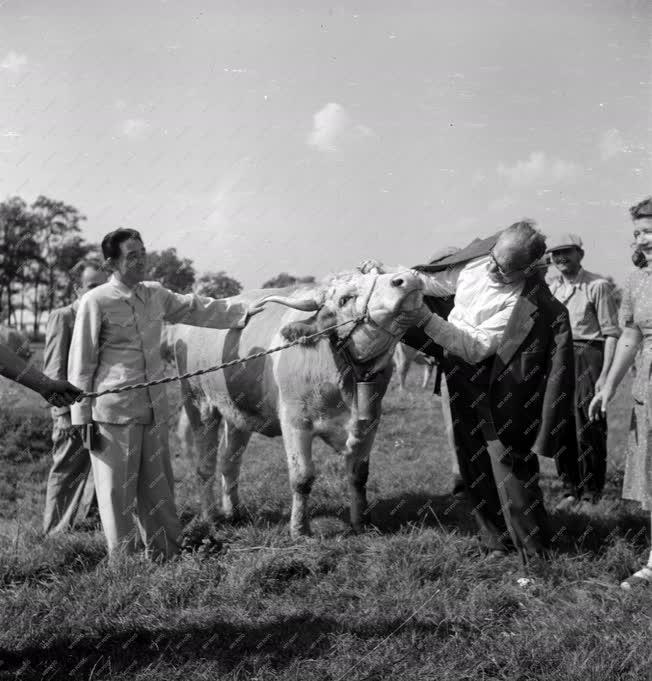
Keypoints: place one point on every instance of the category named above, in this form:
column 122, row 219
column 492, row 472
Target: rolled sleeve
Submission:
column 214, row 313
column 84, row 355
column 605, row 307
column 471, row 343
column 440, row 284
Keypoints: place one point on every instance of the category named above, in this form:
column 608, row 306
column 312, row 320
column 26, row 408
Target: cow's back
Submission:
column 246, row 394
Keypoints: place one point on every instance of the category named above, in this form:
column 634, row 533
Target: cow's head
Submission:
column 377, row 301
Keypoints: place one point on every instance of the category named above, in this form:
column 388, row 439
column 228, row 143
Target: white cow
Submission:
column 301, row 393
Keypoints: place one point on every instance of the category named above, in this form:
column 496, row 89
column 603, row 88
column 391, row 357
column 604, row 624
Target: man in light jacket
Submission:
column 116, row 342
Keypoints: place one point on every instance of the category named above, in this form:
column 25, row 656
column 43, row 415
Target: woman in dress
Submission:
column 635, row 345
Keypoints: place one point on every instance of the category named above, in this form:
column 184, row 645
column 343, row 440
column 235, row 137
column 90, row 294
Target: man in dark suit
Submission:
column 507, row 353
column 70, row 491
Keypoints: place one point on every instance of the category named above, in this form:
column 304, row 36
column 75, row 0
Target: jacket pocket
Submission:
column 533, row 365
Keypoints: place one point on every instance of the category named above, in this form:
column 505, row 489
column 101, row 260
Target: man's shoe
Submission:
column 459, row 488
column 566, row 503
column 640, row 579
column 496, row 555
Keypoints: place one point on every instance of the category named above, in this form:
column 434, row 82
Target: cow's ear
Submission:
column 296, row 330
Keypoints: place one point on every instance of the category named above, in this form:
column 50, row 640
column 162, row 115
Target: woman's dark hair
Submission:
column 643, row 209
column 111, row 242
column 639, row 259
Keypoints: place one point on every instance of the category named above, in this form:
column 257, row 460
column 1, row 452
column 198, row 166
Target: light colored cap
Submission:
column 564, row 241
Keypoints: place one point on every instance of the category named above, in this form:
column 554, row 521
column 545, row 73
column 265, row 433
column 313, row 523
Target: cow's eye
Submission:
column 344, row 300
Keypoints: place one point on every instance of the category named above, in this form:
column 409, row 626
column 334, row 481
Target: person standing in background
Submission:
column 635, row 345
column 594, row 322
column 70, row 489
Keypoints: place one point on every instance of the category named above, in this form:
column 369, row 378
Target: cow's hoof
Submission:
column 364, row 527
column 300, row 533
column 234, row 517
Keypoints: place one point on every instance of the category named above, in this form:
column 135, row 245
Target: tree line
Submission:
column 41, row 242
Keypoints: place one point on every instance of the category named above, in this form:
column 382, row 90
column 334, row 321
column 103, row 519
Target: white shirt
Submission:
column 476, row 325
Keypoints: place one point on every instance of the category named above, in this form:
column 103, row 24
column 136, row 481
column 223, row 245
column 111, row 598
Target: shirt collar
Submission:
column 579, row 278
column 124, row 289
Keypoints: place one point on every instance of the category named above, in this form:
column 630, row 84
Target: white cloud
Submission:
column 539, row 170
column 328, row 124
column 611, row 144
column 332, row 125
column 135, row 128
column 14, row 62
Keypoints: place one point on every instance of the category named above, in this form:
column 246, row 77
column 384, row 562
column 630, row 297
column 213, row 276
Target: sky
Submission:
column 305, row 137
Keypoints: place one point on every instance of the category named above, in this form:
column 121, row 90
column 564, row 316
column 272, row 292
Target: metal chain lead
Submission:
column 233, row 362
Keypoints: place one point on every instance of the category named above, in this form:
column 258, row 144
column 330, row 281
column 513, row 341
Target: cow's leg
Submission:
column 184, row 433
column 357, row 451
column 298, row 448
column 402, row 371
column 427, row 373
column 205, row 423
column 234, row 442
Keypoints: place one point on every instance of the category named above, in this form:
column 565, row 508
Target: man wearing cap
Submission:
column 594, row 323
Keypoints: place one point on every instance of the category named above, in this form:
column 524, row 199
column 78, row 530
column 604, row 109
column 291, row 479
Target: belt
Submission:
column 587, row 341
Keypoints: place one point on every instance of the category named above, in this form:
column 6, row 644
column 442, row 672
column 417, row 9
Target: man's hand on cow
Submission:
column 60, row 393
column 370, row 265
column 417, row 317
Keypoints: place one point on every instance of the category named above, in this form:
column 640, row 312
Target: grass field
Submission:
column 411, row 599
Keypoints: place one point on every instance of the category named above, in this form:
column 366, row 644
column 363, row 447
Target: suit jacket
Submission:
column 530, row 379
column 58, row 334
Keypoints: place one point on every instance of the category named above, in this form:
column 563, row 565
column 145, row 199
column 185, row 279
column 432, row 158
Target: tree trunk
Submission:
column 35, row 309
column 22, row 301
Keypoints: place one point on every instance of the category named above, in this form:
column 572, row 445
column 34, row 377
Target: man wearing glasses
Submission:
column 508, row 358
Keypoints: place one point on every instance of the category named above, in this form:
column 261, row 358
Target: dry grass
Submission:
column 409, row 600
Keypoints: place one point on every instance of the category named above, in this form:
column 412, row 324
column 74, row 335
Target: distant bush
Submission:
column 24, row 437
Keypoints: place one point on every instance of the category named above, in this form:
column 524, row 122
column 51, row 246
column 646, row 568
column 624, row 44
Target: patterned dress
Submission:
column 636, row 312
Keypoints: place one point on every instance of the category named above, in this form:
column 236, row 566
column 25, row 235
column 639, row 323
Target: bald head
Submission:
column 89, row 274
column 517, row 247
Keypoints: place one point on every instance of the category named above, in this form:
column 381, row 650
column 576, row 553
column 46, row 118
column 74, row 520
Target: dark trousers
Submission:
column 70, row 492
column 502, row 484
column 583, row 472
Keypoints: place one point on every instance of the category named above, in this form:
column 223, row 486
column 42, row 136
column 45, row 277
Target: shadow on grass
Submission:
column 572, row 533
column 70, row 559
column 388, row 515
column 281, row 641
column 577, row 533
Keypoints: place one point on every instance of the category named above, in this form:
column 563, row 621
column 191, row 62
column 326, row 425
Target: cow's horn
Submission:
column 305, row 304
